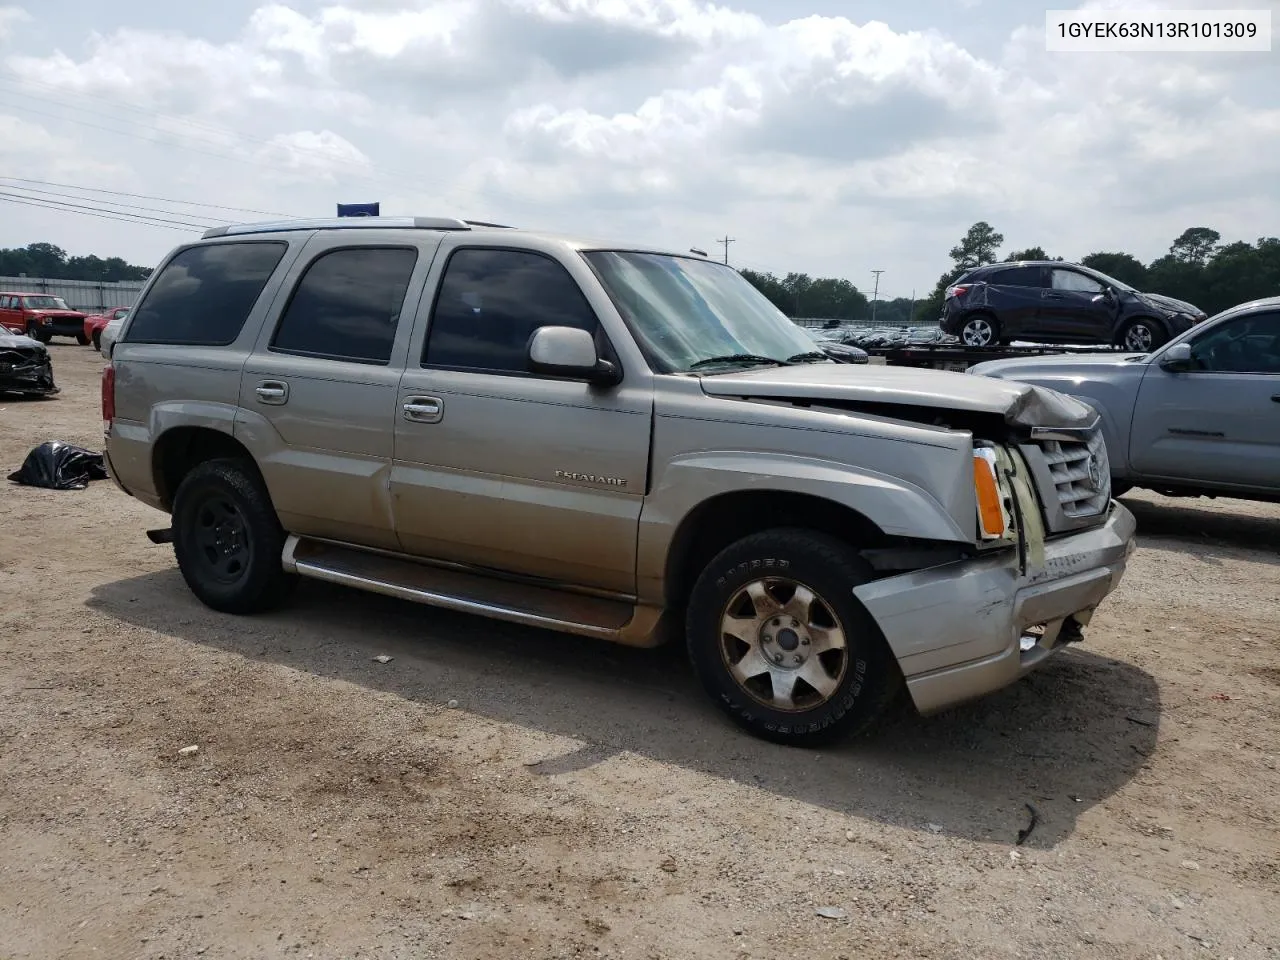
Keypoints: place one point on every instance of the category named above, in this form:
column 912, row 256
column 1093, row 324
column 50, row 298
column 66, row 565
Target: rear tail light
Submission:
column 108, row 396
column 957, row 291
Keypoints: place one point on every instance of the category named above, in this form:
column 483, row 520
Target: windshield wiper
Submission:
column 739, row 358
column 810, row 355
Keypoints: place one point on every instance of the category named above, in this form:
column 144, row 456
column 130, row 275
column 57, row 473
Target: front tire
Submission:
column 781, row 645
column 1141, row 335
column 82, row 339
column 228, row 539
column 97, row 340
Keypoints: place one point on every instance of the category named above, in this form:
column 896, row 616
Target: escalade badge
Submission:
column 590, row 478
column 1095, row 475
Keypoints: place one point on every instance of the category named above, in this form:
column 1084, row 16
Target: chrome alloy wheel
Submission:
column 1138, row 338
column 977, row 332
column 783, row 644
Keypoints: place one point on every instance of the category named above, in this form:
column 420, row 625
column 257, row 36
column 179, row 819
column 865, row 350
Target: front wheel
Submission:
column 97, row 340
column 228, row 539
column 37, row 333
column 780, row 643
column 82, row 339
column 1141, row 335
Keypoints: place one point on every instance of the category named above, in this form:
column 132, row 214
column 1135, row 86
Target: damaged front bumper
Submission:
column 27, row 375
column 965, row 629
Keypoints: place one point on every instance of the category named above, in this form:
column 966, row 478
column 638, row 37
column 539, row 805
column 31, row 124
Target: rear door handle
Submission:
column 273, row 392
column 423, row 409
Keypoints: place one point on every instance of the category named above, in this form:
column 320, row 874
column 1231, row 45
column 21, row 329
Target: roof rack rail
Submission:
column 347, row 223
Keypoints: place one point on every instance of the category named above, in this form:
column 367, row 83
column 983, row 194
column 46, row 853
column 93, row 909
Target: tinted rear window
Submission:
column 204, row 294
column 1017, row 277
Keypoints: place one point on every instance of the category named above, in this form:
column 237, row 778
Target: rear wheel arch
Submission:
column 984, row 313
column 179, row 450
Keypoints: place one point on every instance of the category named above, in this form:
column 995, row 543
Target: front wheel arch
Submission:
column 1159, row 330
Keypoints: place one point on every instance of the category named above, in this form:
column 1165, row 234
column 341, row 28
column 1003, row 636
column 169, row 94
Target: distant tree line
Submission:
column 53, row 263
column 1197, row 268
column 800, row 295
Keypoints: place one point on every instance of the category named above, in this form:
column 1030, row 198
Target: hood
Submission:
column 41, row 312
column 1173, row 305
column 1055, row 364
column 18, row 341
column 1019, row 404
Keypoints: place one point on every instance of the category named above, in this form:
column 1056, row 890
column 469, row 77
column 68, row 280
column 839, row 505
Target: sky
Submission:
column 823, row 137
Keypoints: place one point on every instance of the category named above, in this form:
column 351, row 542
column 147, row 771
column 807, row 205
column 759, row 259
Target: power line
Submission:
column 50, row 205
column 140, row 196
column 109, row 203
column 725, row 243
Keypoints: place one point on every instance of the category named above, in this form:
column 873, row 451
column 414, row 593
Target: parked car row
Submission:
column 43, row 316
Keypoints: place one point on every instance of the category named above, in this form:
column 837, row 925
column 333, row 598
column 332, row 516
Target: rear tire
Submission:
column 781, row 645
column 228, row 539
column 980, row 330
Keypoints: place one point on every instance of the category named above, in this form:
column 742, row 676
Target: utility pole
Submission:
column 725, row 243
column 875, row 295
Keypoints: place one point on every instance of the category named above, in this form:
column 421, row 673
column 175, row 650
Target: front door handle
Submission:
column 423, row 409
column 274, row 392
column 1276, row 398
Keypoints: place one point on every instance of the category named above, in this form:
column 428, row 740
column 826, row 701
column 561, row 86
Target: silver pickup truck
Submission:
column 610, row 440
column 1198, row 417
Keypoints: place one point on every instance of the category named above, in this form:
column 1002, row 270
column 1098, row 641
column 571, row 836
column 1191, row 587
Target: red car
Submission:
column 95, row 323
column 41, row 316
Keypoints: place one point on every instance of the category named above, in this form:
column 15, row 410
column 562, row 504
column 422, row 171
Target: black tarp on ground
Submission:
column 60, row 466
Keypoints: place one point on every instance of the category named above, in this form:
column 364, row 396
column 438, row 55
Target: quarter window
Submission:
column 1078, row 282
column 204, row 295
column 347, row 305
column 1249, row 344
column 490, row 304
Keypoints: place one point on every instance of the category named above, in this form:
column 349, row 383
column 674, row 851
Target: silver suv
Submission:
column 615, row 441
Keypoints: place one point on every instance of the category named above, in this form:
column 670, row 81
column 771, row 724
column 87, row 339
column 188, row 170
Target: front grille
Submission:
column 1081, row 474
column 1073, row 477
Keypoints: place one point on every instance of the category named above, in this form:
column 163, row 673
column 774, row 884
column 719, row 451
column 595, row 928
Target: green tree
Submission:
column 1195, row 245
column 1124, row 267
column 50, row 262
column 978, row 247
column 1031, row 253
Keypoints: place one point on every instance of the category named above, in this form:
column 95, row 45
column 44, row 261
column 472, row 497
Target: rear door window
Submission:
column 205, row 294
column 347, row 305
column 1017, row 277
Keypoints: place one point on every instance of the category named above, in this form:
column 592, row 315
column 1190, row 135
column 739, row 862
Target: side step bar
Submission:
column 465, row 592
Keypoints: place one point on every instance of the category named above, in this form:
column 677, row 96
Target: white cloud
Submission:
column 10, row 17
column 822, row 143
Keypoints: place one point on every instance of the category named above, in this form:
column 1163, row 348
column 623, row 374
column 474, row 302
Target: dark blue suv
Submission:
column 1049, row 301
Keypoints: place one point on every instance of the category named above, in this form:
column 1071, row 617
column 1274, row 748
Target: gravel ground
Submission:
column 498, row 792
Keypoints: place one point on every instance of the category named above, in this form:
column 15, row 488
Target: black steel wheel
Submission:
column 228, row 539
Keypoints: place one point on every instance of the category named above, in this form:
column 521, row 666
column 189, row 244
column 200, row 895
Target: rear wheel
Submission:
column 228, row 539
column 980, row 330
column 780, row 643
column 1141, row 335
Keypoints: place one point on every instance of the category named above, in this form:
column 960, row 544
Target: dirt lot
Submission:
column 579, row 799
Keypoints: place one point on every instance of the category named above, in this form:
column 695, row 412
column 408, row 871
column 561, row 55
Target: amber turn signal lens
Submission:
column 990, row 511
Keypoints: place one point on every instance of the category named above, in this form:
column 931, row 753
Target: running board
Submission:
column 533, row 606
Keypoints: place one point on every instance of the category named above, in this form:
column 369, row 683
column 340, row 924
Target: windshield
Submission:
column 45, row 303
column 686, row 312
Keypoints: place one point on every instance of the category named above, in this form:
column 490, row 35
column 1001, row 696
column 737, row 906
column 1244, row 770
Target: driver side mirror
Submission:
column 570, row 352
column 1177, row 358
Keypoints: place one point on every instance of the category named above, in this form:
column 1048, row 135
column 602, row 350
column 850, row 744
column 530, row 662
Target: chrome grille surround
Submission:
column 1072, row 475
